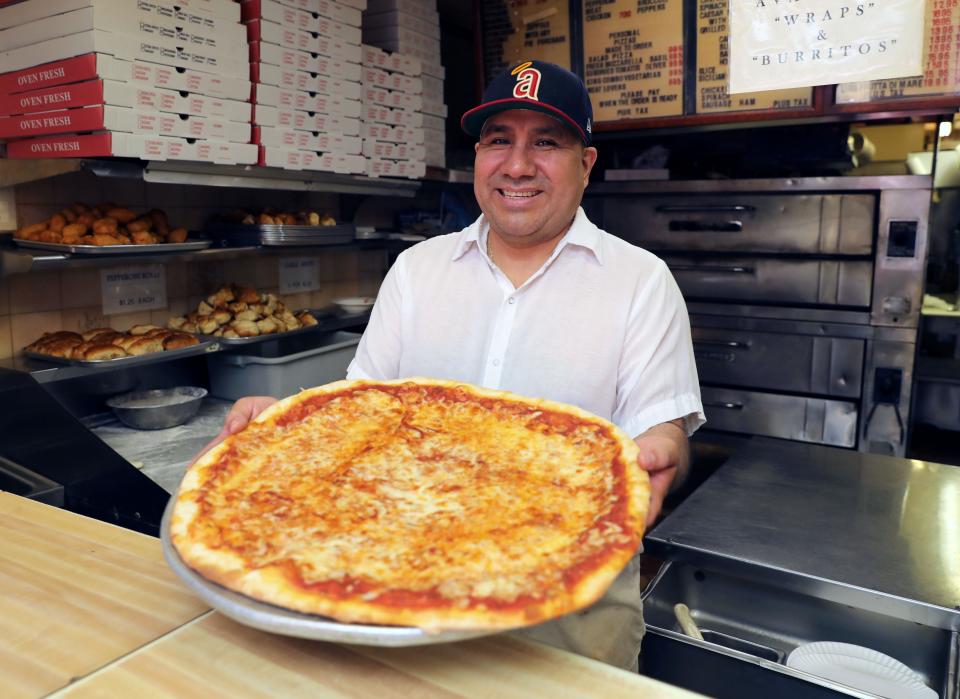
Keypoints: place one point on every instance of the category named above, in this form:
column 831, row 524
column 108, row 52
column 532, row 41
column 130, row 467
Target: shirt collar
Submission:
column 581, row 233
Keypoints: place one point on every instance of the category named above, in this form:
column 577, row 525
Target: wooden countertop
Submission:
column 88, row 609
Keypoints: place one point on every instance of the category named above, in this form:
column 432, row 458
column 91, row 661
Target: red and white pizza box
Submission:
column 292, row 159
column 126, row 47
column 293, row 18
column 393, row 134
column 345, row 12
column 432, row 88
column 435, row 154
column 403, row 40
column 107, row 118
column 306, row 140
column 120, row 94
column 185, row 12
column 424, row 9
column 402, row 20
column 99, row 65
column 394, row 117
column 434, row 108
column 392, row 98
column 376, row 57
column 305, row 121
column 138, row 19
column 393, row 151
column 288, row 37
column 411, row 169
column 262, row 52
column 290, row 79
column 431, row 121
column 305, row 101
column 375, row 77
column 132, row 146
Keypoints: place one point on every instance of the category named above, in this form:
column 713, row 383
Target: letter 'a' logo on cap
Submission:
column 528, row 81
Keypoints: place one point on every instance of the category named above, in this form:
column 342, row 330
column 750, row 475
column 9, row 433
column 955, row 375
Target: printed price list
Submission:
column 524, row 30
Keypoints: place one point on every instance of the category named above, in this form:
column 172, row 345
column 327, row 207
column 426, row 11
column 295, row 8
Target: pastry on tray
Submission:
column 236, row 311
column 103, row 224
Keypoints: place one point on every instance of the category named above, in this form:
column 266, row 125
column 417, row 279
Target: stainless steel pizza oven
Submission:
column 804, row 297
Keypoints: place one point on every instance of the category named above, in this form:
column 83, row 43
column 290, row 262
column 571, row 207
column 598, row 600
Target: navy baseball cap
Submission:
column 541, row 87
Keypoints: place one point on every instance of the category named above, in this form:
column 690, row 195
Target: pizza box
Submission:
column 410, row 169
column 261, row 52
column 132, row 146
column 417, row 8
column 137, row 19
column 334, row 47
column 432, row 88
column 305, row 101
column 279, row 137
column 100, row 65
column 390, row 19
column 434, row 108
column 394, row 117
column 127, row 47
column 435, row 151
column 307, row 82
column 345, row 12
column 291, row 17
column 392, row 98
column 293, row 159
column 376, row 57
column 118, row 94
column 107, row 118
column 403, row 40
column 436, row 123
column 393, row 134
column 306, row 121
column 375, row 77
column 226, row 11
column 393, row 151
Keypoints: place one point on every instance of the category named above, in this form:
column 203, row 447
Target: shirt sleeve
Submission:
column 657, row 379
column 378, row 354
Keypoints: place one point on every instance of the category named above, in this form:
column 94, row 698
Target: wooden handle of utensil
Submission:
column 682, row 613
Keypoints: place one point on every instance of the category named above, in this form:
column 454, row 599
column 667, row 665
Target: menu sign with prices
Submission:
column 134, row 288
column 633, row 58
column 941, row 62
column 299, row 274
column 524, row 30
column 713, row 63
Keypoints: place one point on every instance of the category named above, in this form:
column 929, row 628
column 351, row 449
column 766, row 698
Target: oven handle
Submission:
column 725, row 405
column 705, row 209
column 686, row 226
column 734, row 269
column 723, row 343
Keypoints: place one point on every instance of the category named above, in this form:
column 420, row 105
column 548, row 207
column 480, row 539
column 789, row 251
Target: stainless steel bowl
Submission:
column 158, row 409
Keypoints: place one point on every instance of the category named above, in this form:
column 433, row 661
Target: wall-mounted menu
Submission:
column 941, row 61
column 713, row 61
column 633, row 58
column 523, row 30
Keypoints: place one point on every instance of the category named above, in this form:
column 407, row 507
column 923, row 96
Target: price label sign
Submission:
column 134, row 288
column 299, row 274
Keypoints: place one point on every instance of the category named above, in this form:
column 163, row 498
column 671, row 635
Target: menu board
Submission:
column 713, row 60
column 633, row 58
column 941, row 61
column 524, row 30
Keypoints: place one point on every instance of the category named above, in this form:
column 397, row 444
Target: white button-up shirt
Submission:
column 600, row 325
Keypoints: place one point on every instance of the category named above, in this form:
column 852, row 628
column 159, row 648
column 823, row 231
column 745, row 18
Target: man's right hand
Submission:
column 240, row 415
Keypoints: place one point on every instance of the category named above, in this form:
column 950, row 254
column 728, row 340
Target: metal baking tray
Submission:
column 206, row 345
column 267, row 617
column 132, row 249
column 241, row 341
column 231, row 234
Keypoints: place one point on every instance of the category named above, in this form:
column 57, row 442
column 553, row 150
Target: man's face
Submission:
column 529, row 175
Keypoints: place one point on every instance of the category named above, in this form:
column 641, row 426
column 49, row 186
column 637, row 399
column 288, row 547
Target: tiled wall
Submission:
column 70, row 299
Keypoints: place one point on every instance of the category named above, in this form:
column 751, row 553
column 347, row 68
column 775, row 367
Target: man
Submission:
column 535, row 299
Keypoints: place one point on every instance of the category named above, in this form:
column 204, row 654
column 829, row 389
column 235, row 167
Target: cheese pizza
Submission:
column 416, row 502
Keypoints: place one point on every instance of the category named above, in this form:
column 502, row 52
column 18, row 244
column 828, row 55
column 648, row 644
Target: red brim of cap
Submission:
column 473, row 120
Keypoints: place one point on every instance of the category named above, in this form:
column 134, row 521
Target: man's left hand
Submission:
column 664, row 452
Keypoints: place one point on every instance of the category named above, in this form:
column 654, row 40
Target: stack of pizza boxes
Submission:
column 305, row 60
column 393, row 137
column 158, row 80
column 412, row 28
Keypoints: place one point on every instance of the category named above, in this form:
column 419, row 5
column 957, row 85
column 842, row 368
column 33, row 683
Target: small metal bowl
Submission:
column 158, row 409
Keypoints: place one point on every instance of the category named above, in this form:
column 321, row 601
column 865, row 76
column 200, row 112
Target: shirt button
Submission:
column 511, row 300
column 496, row 362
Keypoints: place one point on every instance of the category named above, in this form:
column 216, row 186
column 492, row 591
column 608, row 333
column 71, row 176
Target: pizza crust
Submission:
column 200, row 541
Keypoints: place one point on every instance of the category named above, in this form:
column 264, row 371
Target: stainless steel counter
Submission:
column 163, row 455
column 876, row 532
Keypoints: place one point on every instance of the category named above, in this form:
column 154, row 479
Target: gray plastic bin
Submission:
column 234, row 375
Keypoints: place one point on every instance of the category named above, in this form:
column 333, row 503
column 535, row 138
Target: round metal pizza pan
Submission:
column 267, row 617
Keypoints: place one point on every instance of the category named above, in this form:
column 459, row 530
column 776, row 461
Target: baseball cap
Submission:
column 541, row 87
